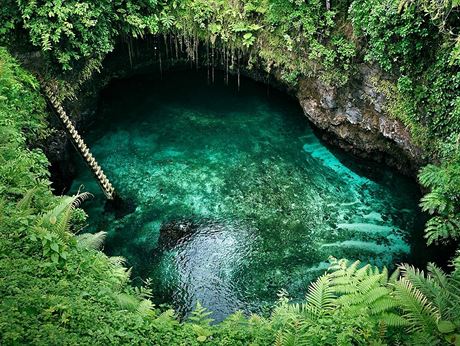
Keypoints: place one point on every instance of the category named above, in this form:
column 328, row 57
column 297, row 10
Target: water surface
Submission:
column 251, row 200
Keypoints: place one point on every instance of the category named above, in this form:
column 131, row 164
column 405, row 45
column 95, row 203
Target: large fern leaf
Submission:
column 439, row 228
column 426, row 285
column 394, row 320
column 421, row 314
column 383, row 304
column 321, row 295
column 25, row 202
column 91, row 241
column 145, row 307
column 435, row 201
column 59, row 217
column 431, row 176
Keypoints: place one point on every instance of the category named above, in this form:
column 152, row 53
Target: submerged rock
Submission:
column 120, row 206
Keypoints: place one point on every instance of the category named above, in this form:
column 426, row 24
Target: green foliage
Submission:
column 304, row 40
column 348, row 305
column 296, row 38
column 200, row 322
column 56, row 288
column 406, row 42
column 395, row 40
column 364, row 305
column 90, row 240
column 23, row 172
column 443, row 200
column 430, row 303
column 444, row 13
column 76, row 34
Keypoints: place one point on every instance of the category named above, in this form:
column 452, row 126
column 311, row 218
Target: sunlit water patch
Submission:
column 235, row 196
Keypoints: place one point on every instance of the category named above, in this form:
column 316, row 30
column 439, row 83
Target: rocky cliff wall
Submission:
column 354, row 118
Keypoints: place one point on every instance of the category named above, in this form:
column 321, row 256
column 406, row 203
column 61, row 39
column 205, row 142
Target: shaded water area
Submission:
column 249, row 200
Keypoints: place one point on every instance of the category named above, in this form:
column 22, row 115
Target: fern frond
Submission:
column 117, row 261
column 448, row 298
column 340, row 280
column 310, row 312
column 431, row 176
column 456, row 264
column 437, row 287
column 290, row 338
column 383, row 304
column 417, row 277
column 421, row 314
column 385, row 276
column 121, row 275
column 200, row 315
column 25, row 202
column 126, row 302
column 91, row 241
column 454, row 289
column 362, row 272
column 440, row 227
column 58, row 218
column 423, row 338
column 353, row 268
column 341, row 267
column 394, row 276
column 62, row 227
column 145, row 307
column 434, row 201
column 393, row 320
column 375, row 295
column 369, row 283
column 321, row 294
column 66, row 202
column 349, row 288
column 144, row 292
column 438, row 275
column 285, row 338
column 367, row 300
column 292, row 311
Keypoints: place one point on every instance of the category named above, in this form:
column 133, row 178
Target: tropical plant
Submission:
column 422, row 307
column 430, row 303
column 443, row 200
column 348, row 305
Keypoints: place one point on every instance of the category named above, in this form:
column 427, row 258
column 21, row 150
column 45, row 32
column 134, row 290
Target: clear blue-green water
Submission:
column 256, row 202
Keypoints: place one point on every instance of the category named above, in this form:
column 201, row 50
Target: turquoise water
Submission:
column 249, row 200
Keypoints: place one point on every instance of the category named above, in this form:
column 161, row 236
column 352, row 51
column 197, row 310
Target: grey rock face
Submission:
column 354, row 118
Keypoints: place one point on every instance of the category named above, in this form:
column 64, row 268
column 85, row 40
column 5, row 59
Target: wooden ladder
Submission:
column 79, row 144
